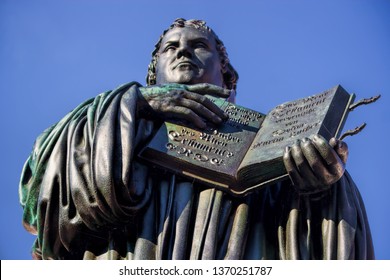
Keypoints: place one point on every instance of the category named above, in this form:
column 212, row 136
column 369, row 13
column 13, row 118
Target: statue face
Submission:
column 188, row 56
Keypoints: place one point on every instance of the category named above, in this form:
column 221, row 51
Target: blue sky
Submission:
column 56, row 54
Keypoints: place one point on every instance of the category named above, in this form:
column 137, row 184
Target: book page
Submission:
column 295, row 120
column 212, row 152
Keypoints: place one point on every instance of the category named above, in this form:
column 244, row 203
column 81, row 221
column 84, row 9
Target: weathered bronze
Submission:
column 354, row 131
column 364, row 101
column 86, row 195
column 246, row 151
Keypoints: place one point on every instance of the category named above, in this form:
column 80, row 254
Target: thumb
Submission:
column 341, row 148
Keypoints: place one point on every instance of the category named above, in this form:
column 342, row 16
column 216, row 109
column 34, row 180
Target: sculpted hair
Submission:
column 230, row 75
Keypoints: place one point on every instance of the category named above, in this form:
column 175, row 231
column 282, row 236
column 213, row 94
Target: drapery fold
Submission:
column 86, row 195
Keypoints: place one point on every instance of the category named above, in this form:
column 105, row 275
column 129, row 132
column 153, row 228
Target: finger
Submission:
column 316, row 163
column 335, row 165
column 181, row 113
column 302, row 164
column 161, row 89
column 325, row 150
column 291, row 168
column 341, row 148
column 210, row 89
column 201, row 110
column 206, row 103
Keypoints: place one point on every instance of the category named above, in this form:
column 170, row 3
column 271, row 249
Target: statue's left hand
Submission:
column 314, row 164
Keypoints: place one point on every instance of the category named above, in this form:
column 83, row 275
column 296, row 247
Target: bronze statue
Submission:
column 86, row 195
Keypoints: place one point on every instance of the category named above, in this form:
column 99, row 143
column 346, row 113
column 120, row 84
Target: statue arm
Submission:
column 79, row 180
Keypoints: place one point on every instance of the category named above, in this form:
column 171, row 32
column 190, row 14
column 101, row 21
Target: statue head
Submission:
column 228, row 73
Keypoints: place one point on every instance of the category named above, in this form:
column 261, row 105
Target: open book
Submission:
column 246, row 151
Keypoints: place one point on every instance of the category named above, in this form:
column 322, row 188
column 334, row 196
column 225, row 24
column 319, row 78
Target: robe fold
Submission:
column 86, row 196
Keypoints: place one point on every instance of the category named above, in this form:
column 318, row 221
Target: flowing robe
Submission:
column 86, row 196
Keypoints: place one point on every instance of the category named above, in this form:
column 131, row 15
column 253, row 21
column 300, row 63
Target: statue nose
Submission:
column 184, row 51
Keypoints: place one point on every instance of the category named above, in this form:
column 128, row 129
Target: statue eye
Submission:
column 201, row 45
column 170, row 47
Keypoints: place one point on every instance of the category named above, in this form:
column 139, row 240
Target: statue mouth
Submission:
column 185, row 65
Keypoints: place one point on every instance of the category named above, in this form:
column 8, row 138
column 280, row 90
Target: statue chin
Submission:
column 186, row 78
column 187, row 75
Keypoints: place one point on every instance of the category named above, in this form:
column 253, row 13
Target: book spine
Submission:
column 345, row 115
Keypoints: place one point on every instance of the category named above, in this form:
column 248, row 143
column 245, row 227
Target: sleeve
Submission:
column 329, row 225
column 80, row 178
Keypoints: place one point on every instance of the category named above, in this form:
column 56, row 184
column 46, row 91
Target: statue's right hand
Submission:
column 182, row 102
